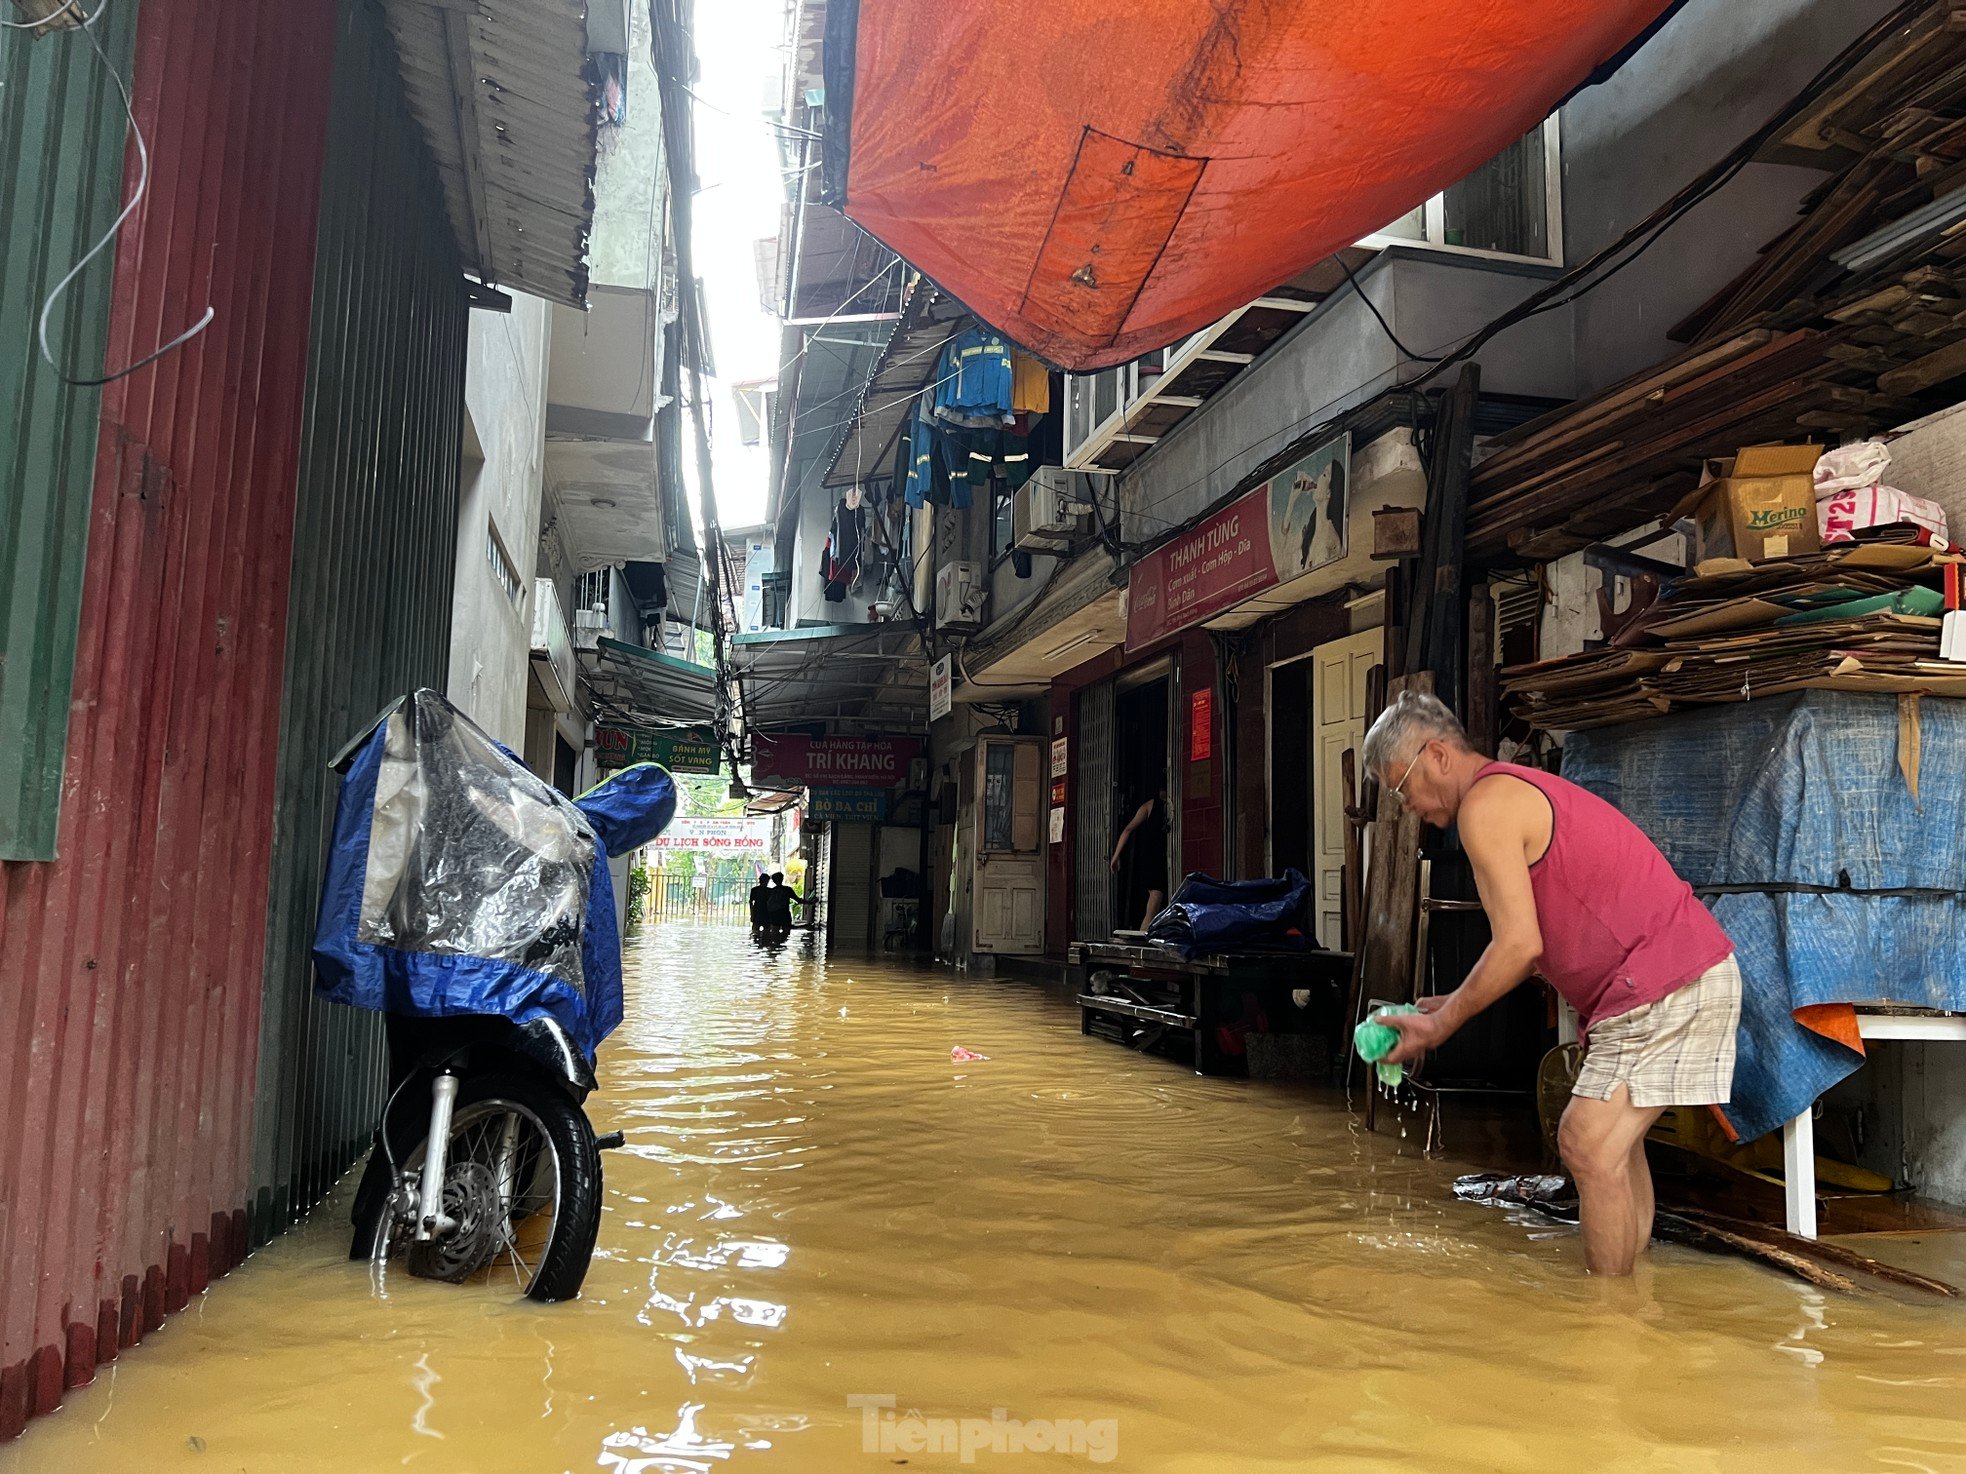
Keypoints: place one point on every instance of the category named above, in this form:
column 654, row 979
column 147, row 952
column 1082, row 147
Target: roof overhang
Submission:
column 506, row 99
column 648, row 686
column 905, row 368
column 832, row 673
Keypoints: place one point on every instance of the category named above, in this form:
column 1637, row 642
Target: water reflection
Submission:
column 816, row 1204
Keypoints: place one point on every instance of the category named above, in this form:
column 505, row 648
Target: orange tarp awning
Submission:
column 1097, row 178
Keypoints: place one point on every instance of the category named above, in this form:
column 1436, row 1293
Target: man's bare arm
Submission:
column 1496, row 823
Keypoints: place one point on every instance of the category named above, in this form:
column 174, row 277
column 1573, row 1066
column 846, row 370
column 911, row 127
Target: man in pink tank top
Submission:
column 1576, row 893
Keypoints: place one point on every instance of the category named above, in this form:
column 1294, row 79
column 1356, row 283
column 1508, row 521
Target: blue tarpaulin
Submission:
column 1796, row 792
column 1210, row 915
column 459, row 882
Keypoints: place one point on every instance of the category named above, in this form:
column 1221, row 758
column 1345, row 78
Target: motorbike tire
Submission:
column 577, row 1218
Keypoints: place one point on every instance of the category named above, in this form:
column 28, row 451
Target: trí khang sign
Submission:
column 832, row 762
column 1291, row 524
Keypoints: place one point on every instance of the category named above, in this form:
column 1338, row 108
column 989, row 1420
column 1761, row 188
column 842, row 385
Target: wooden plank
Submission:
column 1934, row 368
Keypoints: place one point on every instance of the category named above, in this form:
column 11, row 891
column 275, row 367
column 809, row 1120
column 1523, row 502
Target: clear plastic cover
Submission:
column 471, row 853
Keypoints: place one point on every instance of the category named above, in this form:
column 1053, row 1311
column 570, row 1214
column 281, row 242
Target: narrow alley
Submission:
column 816, row 1208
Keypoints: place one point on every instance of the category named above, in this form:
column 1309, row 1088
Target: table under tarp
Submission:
column 1823, row 827
column 1216, row 998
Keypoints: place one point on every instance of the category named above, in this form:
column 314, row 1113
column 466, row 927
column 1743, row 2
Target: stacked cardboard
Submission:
column 1854, row 617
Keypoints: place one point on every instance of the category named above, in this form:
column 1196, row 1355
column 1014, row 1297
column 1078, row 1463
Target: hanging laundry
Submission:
column 854, row 497
column 973, row 379
column 848, row 526
column 832, row 577
column 1030, row 384
column 927, row 477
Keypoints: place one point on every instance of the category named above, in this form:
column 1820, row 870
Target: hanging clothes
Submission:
column 973, row 379
column 849, row 525
column 1030, row 384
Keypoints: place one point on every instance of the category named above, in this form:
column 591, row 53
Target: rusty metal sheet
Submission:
column 62, row 133
column 375, row 552
column 130, row 968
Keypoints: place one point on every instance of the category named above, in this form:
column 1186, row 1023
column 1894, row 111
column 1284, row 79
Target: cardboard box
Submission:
column 1756, row 505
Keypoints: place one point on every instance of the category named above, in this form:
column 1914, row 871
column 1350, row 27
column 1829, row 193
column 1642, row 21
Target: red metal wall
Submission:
column 130, row 967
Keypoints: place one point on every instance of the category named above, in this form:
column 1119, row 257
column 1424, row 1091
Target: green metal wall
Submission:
column 61, row 176
column 374, row 554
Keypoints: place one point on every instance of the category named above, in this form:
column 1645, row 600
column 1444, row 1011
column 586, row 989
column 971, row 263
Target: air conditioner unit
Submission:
column 961, row 596
column 588, row 627
column 1050, row 510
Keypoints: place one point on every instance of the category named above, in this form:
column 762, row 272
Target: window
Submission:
column 999, row 805
column 1508, row 207
column 503, row 573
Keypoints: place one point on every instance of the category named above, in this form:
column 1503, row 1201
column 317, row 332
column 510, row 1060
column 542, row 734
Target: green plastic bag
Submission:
column 1374, row 1041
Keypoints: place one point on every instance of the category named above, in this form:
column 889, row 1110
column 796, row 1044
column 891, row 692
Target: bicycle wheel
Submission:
column 522, row 1188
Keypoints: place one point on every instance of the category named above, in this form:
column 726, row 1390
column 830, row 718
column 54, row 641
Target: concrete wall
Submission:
column 631, row 180
column 1338, row 358
column 1706, row 81
column 505, row 408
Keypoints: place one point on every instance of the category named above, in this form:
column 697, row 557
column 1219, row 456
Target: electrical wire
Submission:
column 1378, row 316
column 47, row 25
column 115, row 228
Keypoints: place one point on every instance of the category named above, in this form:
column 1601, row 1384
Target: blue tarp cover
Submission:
column 459, row 882
column 1805, row 789
column 1210, row 915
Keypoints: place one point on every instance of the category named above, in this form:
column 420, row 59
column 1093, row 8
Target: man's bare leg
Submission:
column 1642, row 1203
column 1598, row 1140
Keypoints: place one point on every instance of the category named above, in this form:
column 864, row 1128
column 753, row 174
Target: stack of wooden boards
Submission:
column 1847, row 322
column 1855, row 617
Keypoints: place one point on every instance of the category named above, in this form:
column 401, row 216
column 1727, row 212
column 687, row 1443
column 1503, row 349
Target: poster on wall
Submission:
column 1201, row 725
column 1295, row 522
column 1057, row 826
column 941, row 688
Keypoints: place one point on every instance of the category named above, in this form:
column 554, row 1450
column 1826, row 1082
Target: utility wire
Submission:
column 115, row 228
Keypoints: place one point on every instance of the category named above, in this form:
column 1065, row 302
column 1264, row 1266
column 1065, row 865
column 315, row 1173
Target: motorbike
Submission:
column 470, row 903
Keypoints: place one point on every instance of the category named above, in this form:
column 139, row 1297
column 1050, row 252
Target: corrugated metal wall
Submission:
column 131, row 968
column 61, row 174
column 375, row 552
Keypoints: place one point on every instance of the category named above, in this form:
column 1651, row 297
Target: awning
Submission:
column 648, row 686
column 503, row 94
column 866, row 446
column 1098, row 178
column 835, row 673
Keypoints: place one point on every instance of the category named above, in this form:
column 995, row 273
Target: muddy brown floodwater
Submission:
column 821, row 1227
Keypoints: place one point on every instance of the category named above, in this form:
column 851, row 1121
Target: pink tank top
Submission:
column 1620, row 928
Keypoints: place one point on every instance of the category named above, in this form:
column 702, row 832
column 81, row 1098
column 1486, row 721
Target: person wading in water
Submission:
column 1575, row 892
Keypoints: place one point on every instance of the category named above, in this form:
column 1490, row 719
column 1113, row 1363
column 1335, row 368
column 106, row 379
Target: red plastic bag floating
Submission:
column 959, row 1055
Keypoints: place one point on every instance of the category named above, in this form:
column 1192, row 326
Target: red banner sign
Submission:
column 1201, row 725
column 833, row 762
column 1291, row 524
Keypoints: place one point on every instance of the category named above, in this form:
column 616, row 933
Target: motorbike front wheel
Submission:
column 522, row 1188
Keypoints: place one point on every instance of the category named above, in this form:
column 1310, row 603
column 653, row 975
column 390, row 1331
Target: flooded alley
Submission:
column 817, row 1212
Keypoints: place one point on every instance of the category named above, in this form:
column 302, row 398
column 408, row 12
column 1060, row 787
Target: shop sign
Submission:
column 1201, row 725
column 719, row 836
column 833, row 762
column 941, row 688
column 1293, row 523
column 679, row 749
column 1057, row 791
column 846, row 805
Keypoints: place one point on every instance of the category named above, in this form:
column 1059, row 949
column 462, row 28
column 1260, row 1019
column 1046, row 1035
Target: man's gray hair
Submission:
column 1413, row 718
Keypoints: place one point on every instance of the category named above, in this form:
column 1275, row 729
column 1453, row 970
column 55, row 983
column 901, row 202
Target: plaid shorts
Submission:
column 1677, row 1051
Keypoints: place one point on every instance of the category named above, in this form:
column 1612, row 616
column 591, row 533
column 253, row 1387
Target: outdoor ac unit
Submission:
column 588, row 627
column 960, row 596
column 1050, row 510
